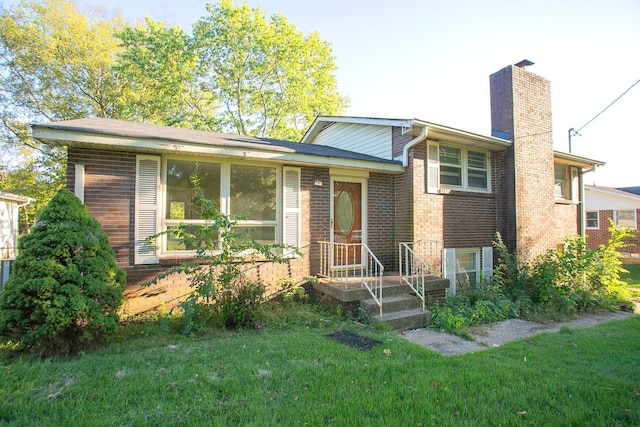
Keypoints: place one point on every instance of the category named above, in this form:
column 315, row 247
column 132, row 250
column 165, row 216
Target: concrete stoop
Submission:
column 401, row 309
column 401, row 312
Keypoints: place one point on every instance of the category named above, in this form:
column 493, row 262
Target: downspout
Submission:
column 583, row 210
column 411, row 144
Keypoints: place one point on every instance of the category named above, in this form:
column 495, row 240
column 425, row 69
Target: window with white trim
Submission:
column 246, row 191
column 464, row 267
column 562, row 185
column 626, row 218
column 180, row 207
column 457, row 167
column 252, row 195
column 593, row 220
column 566, row 183
column 467, row 267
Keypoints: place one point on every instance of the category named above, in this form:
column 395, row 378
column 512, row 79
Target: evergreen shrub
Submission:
column 65, row 287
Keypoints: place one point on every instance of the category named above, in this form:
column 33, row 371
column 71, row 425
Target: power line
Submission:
column 573, row 131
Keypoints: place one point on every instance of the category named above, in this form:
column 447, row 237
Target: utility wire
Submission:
column 577, row 132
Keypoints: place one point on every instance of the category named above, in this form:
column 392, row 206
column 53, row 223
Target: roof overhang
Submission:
column 613, row 192
column 15, row 198
column 190, row 142
column 573, row 160
column 442, row 133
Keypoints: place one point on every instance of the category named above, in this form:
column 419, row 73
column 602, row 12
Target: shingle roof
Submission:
column 122, row 128
column 634, row 190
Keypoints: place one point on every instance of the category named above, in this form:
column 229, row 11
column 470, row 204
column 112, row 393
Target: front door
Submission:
column 347, row 223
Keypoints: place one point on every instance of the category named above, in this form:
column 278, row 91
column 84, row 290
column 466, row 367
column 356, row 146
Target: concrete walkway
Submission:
column 495, row 334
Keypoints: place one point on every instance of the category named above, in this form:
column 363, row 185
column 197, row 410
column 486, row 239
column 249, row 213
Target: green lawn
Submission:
column 293, row 375
column 633, row 279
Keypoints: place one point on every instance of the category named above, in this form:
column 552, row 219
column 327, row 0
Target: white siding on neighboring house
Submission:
column 8, row 229
column 607, row 199
column 359, row 138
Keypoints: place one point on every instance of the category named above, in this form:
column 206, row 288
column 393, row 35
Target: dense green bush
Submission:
column 65, row 286
column 556, row 285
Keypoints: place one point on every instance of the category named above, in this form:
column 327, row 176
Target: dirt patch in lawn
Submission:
column 353, row 340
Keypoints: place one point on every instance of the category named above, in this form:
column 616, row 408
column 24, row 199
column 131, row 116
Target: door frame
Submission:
column 359, row 177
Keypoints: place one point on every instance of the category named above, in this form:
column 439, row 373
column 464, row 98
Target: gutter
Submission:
column 411, row 144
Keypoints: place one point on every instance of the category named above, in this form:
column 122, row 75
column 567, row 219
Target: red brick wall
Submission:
column 381, row 210
column 601, row 235
column 521, row 106
column 460, row 219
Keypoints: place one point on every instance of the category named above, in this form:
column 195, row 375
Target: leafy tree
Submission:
column 65, row 286
column 160, row 64
column 55, row 64
column 271, row 79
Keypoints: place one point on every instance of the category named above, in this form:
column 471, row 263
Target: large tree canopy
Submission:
column 159, row 65
column 271, row 79
column 239, row 72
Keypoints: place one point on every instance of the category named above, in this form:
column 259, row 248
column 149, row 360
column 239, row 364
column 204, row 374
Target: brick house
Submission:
column 353, row 193
column 605, row 204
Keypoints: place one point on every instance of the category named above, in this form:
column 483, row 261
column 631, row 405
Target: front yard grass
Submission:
column 632, row 278
column 289, row 374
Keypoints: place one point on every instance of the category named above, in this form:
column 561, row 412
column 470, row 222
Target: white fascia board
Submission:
column 180, row 147
column 613, row 193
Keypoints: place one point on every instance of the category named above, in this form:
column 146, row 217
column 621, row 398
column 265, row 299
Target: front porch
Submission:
column 351, row 276
column 401, row 308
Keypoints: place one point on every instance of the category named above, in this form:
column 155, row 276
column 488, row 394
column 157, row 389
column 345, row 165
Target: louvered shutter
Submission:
column 79, row 182
column 449, row 256
column 433, row 167
column 487, row 262
column 147, row 210
column 291, row 209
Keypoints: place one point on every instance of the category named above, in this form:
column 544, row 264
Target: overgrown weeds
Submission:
column 555, row 286
column 223, row 295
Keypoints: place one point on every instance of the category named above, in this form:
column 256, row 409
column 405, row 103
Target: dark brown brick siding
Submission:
column 458, row 219
column 110, row 198
column 381, row 203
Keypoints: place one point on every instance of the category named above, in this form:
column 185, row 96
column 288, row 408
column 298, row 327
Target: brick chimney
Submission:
column 521, row 112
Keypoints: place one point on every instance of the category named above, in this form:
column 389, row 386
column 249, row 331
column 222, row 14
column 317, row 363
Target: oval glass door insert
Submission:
column 344, row 211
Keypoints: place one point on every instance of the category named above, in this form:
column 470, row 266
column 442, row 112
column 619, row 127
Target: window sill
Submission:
column 463, row 192
column 564, row 202
column 448, row 190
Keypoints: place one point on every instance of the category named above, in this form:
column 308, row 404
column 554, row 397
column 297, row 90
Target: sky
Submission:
column 431, row 60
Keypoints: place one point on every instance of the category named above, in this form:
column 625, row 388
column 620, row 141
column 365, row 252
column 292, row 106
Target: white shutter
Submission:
column 433, row 167
column 78, row 189
column 147, row 208
column 291, row 208
column 575, row 186
column 449, row 256
column 487, row 262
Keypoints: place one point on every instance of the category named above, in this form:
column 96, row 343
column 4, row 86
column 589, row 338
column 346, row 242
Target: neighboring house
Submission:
column 10, row 205
column 353, row 191
column 606, row 204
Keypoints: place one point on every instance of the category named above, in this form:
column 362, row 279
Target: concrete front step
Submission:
column 405, row 319
column 390, row 304
column 354, row 291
